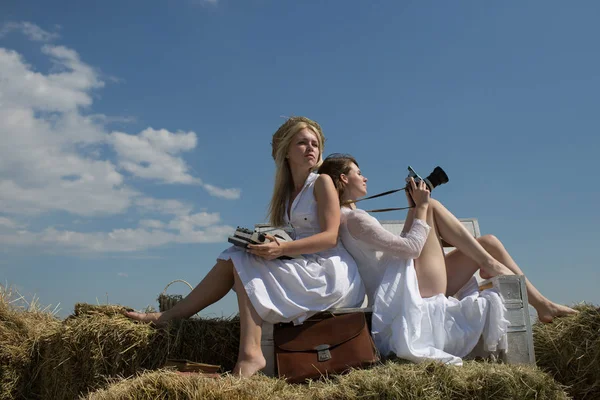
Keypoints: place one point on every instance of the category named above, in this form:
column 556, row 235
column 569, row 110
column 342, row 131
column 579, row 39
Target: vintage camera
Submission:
column 436, row 178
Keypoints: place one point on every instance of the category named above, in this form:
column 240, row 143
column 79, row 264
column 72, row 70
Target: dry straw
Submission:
column 432, row 381
column 23, row 324
column 98, row 342
column 97, row 352
column 569, row 349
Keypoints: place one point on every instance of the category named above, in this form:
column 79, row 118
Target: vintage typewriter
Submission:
column 242, row 237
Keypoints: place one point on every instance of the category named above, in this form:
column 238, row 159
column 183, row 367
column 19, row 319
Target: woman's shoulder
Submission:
column 356, row 211
column 314, row 177
column 320, row 182
column 356, row 214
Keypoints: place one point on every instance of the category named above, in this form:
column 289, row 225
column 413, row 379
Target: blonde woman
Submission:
column 408, row 283
column 275, row 290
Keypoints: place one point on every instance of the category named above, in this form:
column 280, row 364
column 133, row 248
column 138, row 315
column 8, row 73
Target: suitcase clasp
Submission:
column 323, row 353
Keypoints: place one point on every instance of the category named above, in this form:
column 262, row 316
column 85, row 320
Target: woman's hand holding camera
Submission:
column 417, row 193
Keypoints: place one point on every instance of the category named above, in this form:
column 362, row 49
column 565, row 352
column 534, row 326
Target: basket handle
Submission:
column 176, row 280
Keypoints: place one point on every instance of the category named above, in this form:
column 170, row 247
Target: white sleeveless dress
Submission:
column 293, row 290
column 417, row 329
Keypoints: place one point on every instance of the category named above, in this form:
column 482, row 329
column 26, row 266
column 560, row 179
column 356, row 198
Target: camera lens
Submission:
column 436, row 178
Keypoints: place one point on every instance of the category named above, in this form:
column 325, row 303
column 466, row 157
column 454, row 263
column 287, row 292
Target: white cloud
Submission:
column 187, row 223
column 122, row 274
column 62, row 91
column 151, row 223
column 41, row 128
column 169, row 142
column 10, row 224
column 53, row 158
column 32, row 31
column 229, row 194
column 163, row 206
column 117, row 240
column 152, row 154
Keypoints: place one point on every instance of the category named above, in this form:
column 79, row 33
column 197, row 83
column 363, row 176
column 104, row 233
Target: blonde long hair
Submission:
column 284, row 184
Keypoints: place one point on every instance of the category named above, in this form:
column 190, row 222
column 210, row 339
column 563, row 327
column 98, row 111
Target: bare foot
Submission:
column 549, row 311
column 156, row 319
column 493, row 268
column 248, row 366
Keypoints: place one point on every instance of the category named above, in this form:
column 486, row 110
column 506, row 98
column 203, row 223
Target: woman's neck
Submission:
column 348, row 202
column 299, row 177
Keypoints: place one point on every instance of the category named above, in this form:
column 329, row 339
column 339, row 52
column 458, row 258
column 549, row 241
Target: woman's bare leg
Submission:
column 430, row 266
column 453, row 231
column 250, row 357
column 488, row 255
column 546, row 309
column 215, row 285
column 459, row 269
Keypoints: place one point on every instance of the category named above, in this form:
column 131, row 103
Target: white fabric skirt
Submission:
column 440, row 328
column 293, row 290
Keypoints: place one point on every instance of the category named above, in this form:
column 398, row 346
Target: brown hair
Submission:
column 280, row 144
column 335, row 165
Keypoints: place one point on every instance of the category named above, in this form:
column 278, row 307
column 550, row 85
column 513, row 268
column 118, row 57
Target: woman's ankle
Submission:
column 248, row 352
column 492, row 267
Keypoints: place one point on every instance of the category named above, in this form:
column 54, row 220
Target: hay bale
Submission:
column 207, row 340
column 169, row 385
column 91, row 346
column 569, row 349
column 22, row 326
column 15, row 359
column 81, row 309
column 432, row 381
column 98, row 343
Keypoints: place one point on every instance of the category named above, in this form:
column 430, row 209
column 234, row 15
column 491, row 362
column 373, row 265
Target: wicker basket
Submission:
column 167, row 301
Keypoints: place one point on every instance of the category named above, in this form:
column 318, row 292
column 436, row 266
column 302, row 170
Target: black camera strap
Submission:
column 389, row 209
column 438, row 176
column 376, row 195
column 380, row 195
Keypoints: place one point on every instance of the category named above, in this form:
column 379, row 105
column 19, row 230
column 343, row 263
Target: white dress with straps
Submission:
column 293, row 290
column 415, row 328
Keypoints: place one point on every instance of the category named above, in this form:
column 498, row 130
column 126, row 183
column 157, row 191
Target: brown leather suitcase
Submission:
column 324, row 344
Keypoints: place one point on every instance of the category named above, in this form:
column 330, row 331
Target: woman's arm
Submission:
column 410, row 217
column 328, row 212
column 367, row 229
column 408, row 245
column 418, row 211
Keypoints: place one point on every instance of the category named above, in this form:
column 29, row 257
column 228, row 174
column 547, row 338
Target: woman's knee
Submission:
column 237, row 281
column 223, row 270
column 433, row 203
column 224, row 264
column 490, row 242
column 436, row 207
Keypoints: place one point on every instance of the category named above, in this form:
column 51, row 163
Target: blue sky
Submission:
column 136, row 135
